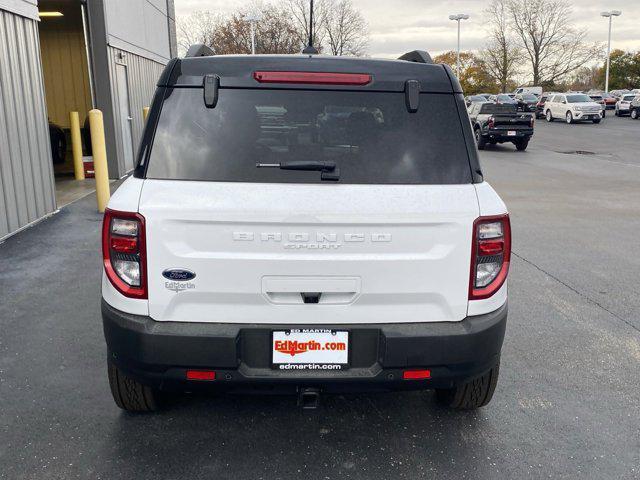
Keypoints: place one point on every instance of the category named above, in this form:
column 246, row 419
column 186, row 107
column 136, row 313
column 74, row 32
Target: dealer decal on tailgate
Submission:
column 310, row 349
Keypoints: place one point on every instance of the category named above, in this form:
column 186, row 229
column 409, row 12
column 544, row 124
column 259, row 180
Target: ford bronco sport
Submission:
column 305, row 224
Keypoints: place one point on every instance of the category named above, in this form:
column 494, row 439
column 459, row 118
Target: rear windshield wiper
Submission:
column 329, row 169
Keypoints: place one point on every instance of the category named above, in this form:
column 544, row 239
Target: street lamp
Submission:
column 253, row 18
column 609, row 15
column 457, row 18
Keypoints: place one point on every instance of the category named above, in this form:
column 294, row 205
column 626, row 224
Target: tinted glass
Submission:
column 371, row 137
column 628, row 98
column 578, row 98
column 504, row 98
column 498, row 108
column 529, row 98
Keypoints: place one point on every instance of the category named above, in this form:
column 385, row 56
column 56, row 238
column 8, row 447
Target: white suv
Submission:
column 572, row 107
column 305, row 224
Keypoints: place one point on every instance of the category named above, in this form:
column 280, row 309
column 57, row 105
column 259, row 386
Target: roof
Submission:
column 237, row 71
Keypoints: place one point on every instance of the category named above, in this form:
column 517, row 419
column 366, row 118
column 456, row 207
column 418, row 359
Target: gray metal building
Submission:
column 58, row 56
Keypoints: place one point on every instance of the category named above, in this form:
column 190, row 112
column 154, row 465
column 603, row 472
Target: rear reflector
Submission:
column 201, row 375
column 416, row 374
column 317, row 78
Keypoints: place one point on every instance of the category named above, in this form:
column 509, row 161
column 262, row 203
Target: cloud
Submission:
column 398, row 26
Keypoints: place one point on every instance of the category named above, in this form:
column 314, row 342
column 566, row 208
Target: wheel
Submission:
column 597, row 120
column 548, row 116
column 604, row 113
column 569, row 117
column 617, row 113
column 634, row 114
column 471, row 395
column 129, row 394
column 480, row 141
column 521, row 145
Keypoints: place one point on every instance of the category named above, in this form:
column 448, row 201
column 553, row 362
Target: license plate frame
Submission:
column 330, row 350
column 512, row 133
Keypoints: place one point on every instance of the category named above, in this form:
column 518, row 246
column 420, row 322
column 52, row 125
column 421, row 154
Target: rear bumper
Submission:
column 159, row 353
column 503, row 135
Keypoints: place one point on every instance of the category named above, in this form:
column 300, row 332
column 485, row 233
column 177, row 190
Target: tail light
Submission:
column 491, row 122
column 490, row 255
column 531, row 122
column 124, row 252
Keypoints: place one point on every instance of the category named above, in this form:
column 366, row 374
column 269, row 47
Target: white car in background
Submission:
column 572, row 107
column 623, row 107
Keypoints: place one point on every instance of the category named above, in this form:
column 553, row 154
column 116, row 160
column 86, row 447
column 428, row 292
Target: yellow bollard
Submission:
column 145, row 113
column 76, row 146
column 99, row 158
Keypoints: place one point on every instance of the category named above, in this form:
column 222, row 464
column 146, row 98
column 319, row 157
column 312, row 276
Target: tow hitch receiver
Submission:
column 308, row 398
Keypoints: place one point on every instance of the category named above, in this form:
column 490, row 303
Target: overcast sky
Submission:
column 397, row 26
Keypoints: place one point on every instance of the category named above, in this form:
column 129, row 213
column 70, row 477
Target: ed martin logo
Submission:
column 179, row 286
column 293, row 348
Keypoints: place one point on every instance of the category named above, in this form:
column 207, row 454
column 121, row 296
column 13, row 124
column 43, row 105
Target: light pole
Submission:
column 457, row 18
column 609, row 15
column 253, row 18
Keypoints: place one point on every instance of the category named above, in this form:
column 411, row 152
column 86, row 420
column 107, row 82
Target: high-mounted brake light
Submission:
column 316, row 78
column 490, row 255
column 124, row 252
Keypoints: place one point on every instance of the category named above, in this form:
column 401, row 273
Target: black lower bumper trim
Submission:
column 159, row 353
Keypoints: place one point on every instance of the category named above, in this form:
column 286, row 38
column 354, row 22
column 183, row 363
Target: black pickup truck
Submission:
column 499, row 123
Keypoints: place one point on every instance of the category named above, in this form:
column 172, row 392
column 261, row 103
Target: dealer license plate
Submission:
column 310, row 349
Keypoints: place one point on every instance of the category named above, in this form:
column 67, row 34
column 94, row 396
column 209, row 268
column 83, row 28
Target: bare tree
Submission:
column 275, row 32
column 299, row 12
column 501, row 56
column 197, row 27
column 552, row 46
column 346, row 29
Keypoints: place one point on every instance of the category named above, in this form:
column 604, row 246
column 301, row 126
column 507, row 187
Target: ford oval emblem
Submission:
column 179, row 274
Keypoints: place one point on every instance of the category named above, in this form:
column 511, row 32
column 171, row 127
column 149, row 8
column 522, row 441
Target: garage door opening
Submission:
column 67, row 82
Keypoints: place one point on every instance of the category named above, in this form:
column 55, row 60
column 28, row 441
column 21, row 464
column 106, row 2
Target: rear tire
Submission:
column 471, row 395
column 129, row 394
column 521, row 145
column 480, row 141
column 549, row 116
column 597, row 120
column 634, row 114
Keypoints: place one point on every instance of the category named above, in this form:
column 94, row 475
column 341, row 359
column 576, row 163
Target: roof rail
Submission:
column 417, row 56
column 199, row 50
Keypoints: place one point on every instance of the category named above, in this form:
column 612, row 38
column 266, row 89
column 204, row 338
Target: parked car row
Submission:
column 628, row 105
column 571, row 106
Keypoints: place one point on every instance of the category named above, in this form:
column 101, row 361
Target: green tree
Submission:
column 624, row 70
column 474, row 76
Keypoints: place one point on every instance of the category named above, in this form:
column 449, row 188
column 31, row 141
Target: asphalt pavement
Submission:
column 567, row 403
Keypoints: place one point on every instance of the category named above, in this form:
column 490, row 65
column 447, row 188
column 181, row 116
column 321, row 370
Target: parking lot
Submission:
column 567, row 404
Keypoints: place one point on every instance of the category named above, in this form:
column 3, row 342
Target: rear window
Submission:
column 498, row 108
column 370, row 136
